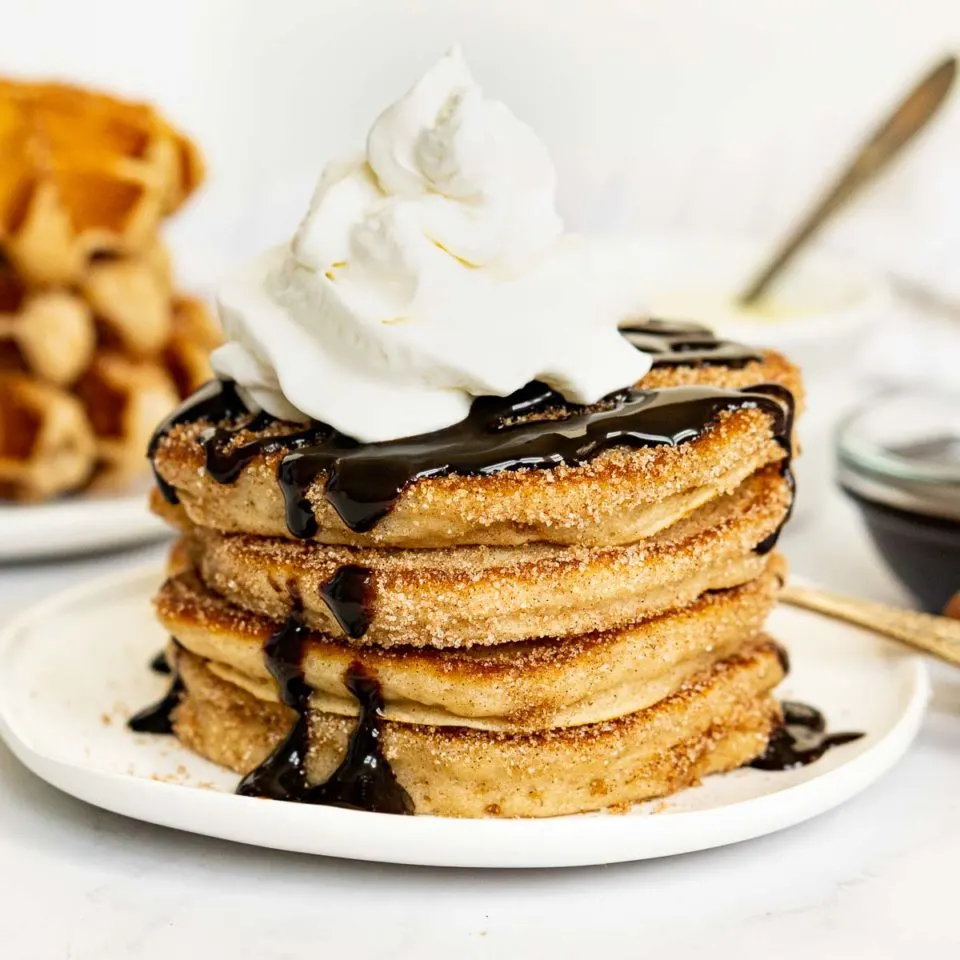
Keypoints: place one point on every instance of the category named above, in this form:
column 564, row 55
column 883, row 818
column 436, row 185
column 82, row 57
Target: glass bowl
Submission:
column 898, row 459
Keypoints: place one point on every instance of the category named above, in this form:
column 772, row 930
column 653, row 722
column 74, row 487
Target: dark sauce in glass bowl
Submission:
column 923, row 552
column 899, row 462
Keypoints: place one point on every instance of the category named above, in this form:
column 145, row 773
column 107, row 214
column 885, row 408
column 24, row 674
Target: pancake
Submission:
column 533, row 685
column 717, row 722
column 470, row 596
column 617, row 496
column 544, row 609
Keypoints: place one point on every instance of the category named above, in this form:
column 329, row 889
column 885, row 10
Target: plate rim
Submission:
column 33, row 531
column 493, row 843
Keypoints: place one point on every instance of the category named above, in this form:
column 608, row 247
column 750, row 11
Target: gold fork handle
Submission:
column 911, row 115
column 924, row 631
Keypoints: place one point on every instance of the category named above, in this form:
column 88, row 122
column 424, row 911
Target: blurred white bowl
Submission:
column 819, row 315
column 816, row 314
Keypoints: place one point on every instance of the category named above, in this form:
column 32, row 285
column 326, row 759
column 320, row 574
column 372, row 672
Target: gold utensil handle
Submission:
column 908, row 119
column 924, row 631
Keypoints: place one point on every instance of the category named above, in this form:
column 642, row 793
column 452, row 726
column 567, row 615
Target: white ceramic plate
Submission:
column 83, row 524
column 74, row 667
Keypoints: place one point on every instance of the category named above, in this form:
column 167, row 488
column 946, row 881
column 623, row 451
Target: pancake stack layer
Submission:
column 95, row 343
column 544, row 610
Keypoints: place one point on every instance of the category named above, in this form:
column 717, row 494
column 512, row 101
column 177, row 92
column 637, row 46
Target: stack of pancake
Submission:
column 96, row 344
column 543, row 610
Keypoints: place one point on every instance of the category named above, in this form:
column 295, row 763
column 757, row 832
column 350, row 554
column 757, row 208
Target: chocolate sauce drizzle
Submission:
column 532, row 428
column 801, row 739
column 674, row 343
column 770, row 541
column 283, row 776
column 783, row 656
column 224, row 464
column 214, row 401
column 364, row 780
column 346, row 594
column 158, row 717
column 159, row 663
column 785, row 439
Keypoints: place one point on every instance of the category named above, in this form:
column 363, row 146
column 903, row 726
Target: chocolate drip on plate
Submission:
column 678, row 344
column 158, row 717
column 159, row 663
column 364, row 780
column 801, row 739
column 346, row 595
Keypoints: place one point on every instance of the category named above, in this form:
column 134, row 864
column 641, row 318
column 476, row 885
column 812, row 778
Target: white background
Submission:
column 724, row 114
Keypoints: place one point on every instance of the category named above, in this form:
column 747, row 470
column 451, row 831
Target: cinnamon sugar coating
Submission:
column 543, row 641
column 530, row 685
column 466, row 596
column 620, row 496
column 717, row 721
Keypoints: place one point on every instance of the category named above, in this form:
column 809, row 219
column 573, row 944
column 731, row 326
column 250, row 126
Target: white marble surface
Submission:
column 876, row 877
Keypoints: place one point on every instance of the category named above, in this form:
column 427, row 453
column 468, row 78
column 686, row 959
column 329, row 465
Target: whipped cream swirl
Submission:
column 429, row 271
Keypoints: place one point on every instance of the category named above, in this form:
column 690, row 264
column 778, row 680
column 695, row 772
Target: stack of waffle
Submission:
column 576, row 624
column 95, row 345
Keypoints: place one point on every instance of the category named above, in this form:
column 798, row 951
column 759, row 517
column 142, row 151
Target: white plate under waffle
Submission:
column 74, row 667
column 82, row 524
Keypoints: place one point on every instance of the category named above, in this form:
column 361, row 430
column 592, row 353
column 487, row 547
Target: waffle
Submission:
column 50, row 334
column 86, row 296
column 532, row 685
column 124, row 399
column 619, row 496
column 84, row 174
column 468, row 596
column 121, row 302
column 111, row 400
column 715, row 722
column 46, row 444
column 131, row 300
